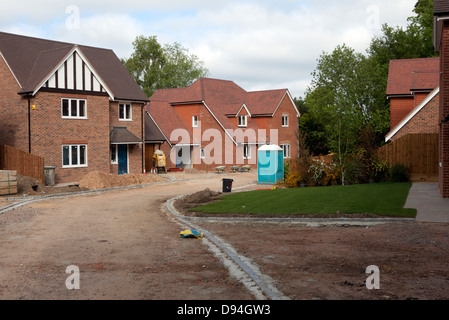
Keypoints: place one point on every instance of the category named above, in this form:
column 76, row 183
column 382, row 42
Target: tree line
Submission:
column 347, row 94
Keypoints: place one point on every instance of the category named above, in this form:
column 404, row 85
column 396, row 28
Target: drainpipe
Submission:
column 143, row 137
column 29, row 124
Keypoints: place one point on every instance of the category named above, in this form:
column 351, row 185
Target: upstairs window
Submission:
column 124, row 112
column 195, row 121
column 242, row 121
column 285, row 121
column 73, row 108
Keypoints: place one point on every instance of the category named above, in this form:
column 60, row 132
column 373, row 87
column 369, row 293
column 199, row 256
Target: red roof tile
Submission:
column 224, row 99
column 407, row 75
column 166, row 118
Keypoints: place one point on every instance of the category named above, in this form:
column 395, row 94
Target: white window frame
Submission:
column 69, row 106
column 202, row 153
column 286, row 148
column 115, row 152
column 195, row 121
column 243, row 121
column 128, row 114
column 285, row 121
column 248, row 151
column 78, row 165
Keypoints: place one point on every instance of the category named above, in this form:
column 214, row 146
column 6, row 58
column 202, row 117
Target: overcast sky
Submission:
column 257, row 44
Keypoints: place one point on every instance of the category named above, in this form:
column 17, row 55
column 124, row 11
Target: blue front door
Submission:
column 122, row 158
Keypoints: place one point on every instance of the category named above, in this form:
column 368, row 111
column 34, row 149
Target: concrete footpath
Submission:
column 426, row 198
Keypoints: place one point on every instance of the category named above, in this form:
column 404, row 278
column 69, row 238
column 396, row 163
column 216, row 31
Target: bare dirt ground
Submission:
column 128, row 247
column 124, row 245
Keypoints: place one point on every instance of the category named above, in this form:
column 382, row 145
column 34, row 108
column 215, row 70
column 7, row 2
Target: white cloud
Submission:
column 258, row 44
column 112, row 31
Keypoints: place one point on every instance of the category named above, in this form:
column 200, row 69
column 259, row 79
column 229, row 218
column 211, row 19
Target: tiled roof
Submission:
column 407, row 75
column 152, row 132
column 223, row 98
column 440, row 6
column 121, row 135
column 32, row 59
column 166, row 118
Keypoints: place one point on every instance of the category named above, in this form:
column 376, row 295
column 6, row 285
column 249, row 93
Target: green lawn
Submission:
column 386, row 199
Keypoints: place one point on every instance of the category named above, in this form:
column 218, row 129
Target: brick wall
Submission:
column 286, row 135
column 50, row 131
column 400, row 107
column 444, row 111
column 226, row 152
column 13, row 111
column 425, row 121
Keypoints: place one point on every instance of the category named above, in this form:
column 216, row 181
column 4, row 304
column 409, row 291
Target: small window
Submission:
column 285, row 121
column 74, row 155
column 286, row 148
column 73, row 108
column 114, row 158
column 246, row 151
column 202, row 153
column 195, row 121
column 242, row 121
column 124, row 112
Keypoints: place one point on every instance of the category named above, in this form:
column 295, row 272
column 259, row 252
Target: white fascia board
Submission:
column 86, row 61
column 213, row 115
column 412, row 114
column 166, row 139
column 7, row 64
column 287, row 93
column 246, row 108
column 187, row 145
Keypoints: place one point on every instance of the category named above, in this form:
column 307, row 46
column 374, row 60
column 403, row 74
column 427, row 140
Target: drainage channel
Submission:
column 269, row 290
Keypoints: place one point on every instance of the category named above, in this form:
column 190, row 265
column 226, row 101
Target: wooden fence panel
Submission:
column 25, row 163
column 418, row 151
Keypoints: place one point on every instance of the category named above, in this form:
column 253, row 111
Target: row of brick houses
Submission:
column 79, row 108
column 217, row 123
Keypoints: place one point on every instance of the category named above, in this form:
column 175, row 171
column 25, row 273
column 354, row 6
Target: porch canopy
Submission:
column 121, row 135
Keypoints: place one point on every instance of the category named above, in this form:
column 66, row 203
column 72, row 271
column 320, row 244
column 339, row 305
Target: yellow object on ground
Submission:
column 190, row 233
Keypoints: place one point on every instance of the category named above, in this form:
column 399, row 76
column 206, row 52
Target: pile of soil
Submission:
column 99, row 180
column 196, row 199
column 31, row 186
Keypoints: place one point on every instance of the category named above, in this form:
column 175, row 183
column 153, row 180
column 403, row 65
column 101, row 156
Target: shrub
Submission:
column 292, row 180
column 400, row 173
column 381, row 170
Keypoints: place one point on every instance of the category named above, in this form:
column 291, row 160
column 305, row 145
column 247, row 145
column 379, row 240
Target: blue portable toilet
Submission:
column 270, row 164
